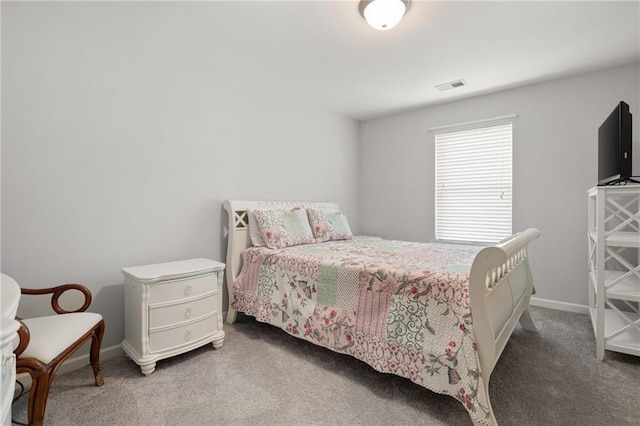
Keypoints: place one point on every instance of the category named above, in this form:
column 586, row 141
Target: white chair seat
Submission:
column 51, row 335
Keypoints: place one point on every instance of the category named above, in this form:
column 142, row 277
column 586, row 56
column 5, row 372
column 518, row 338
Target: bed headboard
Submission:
column 239, row 239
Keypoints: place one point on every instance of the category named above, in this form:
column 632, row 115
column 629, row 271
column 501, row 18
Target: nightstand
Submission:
column 171, row 308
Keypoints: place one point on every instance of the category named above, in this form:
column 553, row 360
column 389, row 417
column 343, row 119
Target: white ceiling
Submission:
column 323, row 52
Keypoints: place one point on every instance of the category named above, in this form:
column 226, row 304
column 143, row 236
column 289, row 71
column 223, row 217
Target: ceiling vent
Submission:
column 451, row 85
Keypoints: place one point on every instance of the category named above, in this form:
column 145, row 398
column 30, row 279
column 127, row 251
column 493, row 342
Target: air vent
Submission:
column 451, row 85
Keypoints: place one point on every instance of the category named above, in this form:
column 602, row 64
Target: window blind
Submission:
column 473, row 184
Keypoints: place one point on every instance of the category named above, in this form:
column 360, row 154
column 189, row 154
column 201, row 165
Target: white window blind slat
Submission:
column 474, row 184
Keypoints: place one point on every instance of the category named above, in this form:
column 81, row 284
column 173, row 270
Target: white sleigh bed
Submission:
column 455, row 344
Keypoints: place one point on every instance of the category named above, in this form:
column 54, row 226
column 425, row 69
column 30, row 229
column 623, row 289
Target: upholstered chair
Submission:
column 46, row 342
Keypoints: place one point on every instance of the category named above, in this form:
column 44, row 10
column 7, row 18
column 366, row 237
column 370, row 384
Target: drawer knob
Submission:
column 187, row 289
column 187, row 334
column 187, row 312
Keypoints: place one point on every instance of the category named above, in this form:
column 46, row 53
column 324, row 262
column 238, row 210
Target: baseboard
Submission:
column 560, row 306
column 81, row 361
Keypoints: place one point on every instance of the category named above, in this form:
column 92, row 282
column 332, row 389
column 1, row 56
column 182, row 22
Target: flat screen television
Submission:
column 614, row 147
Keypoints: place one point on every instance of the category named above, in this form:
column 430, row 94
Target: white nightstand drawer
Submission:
column 161, row 315
column 181, row 289
column 173, row 337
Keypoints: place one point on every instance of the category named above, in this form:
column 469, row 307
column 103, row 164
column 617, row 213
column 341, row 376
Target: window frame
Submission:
column 498, row 142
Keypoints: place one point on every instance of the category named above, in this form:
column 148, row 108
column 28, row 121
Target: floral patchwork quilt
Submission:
column 401, row 307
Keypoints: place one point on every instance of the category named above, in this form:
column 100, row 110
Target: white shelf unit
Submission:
column 614, row 268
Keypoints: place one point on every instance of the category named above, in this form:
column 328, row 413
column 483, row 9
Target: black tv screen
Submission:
column 614, row 147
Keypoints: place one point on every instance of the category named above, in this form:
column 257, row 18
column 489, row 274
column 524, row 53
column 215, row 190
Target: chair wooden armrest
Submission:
column 24, row 336
column 57, row 291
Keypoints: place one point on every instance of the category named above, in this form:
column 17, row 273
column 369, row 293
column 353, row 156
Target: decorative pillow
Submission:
column 283, row 228
column 254, row 230
column 328, row 226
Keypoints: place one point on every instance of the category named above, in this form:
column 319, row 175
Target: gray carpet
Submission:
column 262, row 376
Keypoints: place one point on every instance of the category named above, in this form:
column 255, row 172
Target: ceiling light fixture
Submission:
column 383, row 14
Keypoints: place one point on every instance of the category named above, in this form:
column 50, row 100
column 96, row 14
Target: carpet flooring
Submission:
column 263, row 376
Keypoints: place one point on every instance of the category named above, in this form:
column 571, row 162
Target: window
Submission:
column 473, row 183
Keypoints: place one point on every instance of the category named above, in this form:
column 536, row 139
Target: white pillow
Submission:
column 254, row 230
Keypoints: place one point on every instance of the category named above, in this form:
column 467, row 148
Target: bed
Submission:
column 437, row 314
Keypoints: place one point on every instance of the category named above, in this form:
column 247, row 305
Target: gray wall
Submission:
column 121, row 139
column 554, row 163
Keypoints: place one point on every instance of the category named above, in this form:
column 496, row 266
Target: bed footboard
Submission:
column 500, row 287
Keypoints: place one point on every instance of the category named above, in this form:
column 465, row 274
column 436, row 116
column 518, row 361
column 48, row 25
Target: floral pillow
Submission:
column 328, row 226
column 283, row 228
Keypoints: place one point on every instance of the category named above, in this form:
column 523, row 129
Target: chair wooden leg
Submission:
column 94, row 355
column 38, row 395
